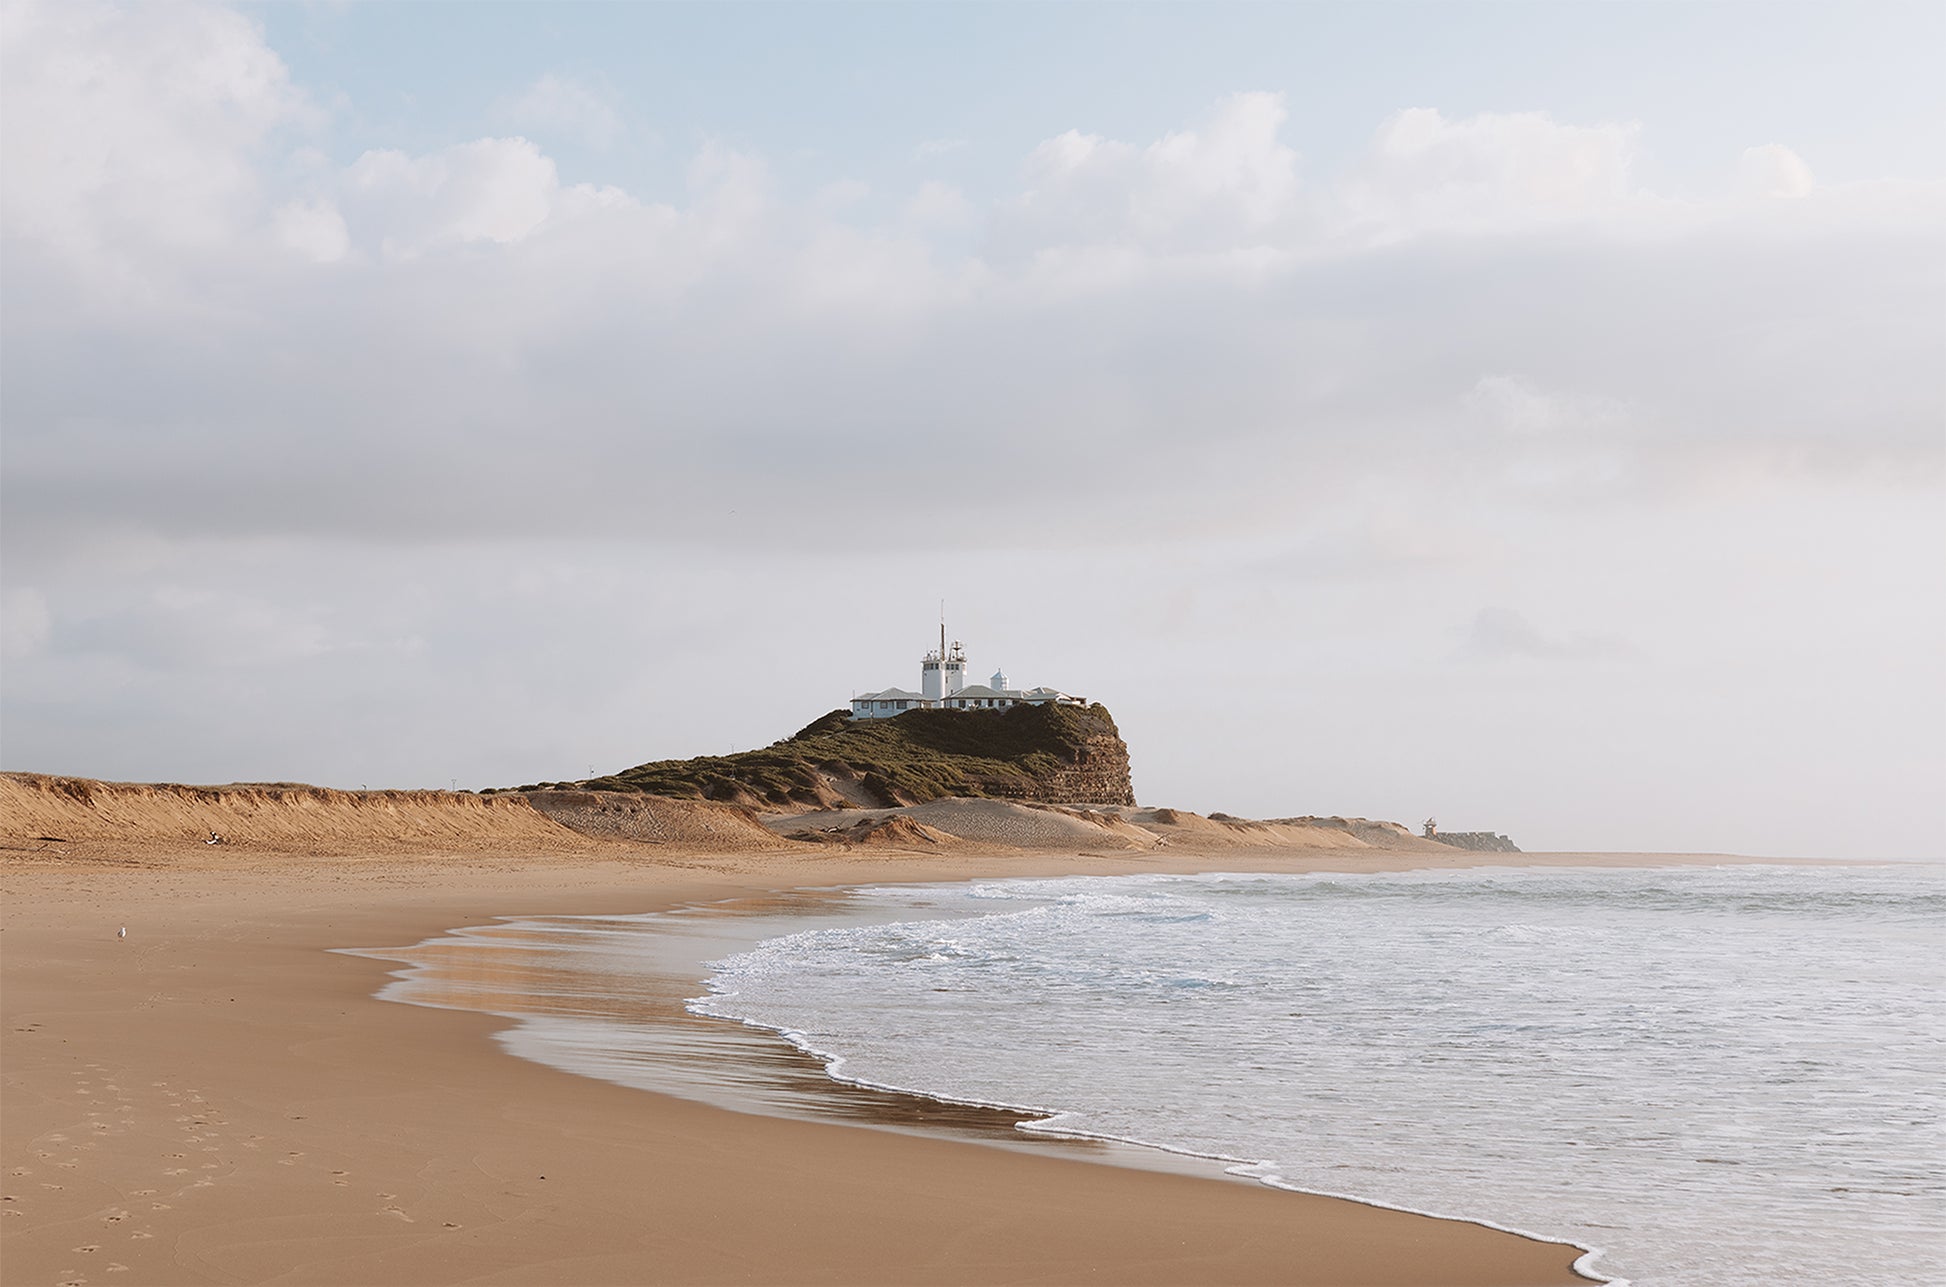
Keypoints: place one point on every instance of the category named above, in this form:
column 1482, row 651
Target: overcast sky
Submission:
column 1531, row 416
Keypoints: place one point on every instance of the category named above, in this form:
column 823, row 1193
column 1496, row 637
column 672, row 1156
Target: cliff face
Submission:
column 1052, row 754
column 1483, row 842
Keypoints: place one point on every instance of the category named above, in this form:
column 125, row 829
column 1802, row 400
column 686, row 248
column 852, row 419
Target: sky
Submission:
column 1530, row 416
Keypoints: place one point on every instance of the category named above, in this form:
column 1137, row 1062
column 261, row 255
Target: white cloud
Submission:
column 313, row 229
column 135, row 141
column 568, row 109
column 1773, row 170
column 1229, row 182
column 24, row 622
column 1489, row 173
column 494, row 190
column 940, row 206
column 1515, row 407
column 840, row 195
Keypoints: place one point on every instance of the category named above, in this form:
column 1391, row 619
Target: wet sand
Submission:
column 219, row 1097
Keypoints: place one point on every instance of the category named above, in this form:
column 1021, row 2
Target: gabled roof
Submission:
column 982, row 691
column 891, row 695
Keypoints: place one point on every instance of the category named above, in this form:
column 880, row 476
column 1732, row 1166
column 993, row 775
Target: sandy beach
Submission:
column 218, row 1098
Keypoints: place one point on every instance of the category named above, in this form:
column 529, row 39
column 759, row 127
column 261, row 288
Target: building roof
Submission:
column 891, row 695
column 982, row 691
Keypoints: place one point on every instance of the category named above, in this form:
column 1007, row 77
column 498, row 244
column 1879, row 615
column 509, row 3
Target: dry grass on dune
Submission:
column 279, row 816
column 1048, row 828
column 657, row 820
column 1219, row 831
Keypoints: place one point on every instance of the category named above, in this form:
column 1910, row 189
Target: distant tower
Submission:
column 955, row 668
column 943, row 673
column 999, row 681
column 932, row 682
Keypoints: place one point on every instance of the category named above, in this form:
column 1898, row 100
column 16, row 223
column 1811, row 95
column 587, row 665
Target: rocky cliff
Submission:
column 1483, row 842
column 1050, row 754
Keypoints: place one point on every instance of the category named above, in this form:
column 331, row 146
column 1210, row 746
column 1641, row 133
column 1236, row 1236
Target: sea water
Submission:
column 1704, row 1075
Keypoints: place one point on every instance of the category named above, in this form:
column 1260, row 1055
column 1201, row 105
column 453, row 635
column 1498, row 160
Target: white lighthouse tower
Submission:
column 943, row 673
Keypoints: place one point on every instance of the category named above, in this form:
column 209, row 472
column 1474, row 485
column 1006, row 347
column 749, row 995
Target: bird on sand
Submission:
column 122, row 932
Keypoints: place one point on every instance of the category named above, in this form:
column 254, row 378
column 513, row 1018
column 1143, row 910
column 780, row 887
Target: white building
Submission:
column 943, row 686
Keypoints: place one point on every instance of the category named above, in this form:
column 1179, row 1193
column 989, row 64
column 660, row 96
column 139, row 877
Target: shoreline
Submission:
column 258, row 1113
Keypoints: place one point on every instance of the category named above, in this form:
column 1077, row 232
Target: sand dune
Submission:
column 1005, row 824
column 38, row 811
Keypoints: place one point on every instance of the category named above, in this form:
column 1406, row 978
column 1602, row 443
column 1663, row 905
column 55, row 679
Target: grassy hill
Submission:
column 1063, row 754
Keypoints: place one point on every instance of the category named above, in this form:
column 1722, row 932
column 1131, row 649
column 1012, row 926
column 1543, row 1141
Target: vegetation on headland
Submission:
column 1018, row 753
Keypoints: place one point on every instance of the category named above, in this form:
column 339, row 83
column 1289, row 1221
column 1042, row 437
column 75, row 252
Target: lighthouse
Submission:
column 943, row 686
column 943, row 673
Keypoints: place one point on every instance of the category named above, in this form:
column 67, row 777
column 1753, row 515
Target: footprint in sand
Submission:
column 114, row 1217
column 140, row 1234
column 117, row 1269
column 177, row 1170
column 397, row 1213
column 158, row 1206
column 140, row 1193
column 91, row 1247
column 341, row 1182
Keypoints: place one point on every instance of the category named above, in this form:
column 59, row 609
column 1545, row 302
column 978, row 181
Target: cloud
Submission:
column 1773, row 170
column 1487, row 173
column 497, row 190
column 1228, row 183
column 1499, row 634
column 313, row 229
column 136, row 138
column 570, row 110
column 939, row 206
column 930, row 148
column 24, row 622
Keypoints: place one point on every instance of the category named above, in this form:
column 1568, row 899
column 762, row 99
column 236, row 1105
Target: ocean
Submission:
column 1726, row 1074
column 1699, row 1074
